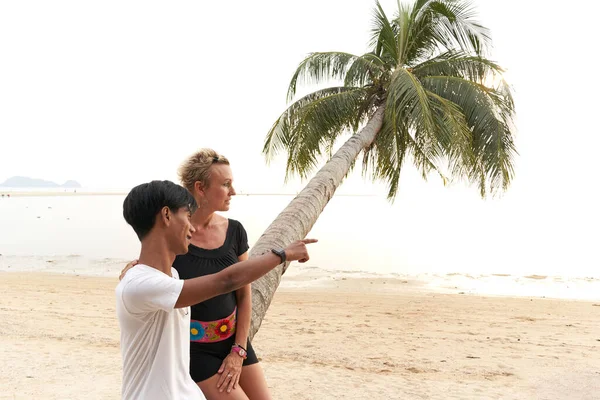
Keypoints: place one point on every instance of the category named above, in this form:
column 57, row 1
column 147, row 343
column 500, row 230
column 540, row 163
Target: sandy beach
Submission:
column 352, row 339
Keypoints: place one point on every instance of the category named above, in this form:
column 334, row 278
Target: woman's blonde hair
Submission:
column 197, row 167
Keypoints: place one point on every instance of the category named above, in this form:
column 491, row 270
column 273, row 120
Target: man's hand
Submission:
column 297, row 250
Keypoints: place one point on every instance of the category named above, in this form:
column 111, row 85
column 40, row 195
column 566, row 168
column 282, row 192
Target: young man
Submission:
column 153, row 303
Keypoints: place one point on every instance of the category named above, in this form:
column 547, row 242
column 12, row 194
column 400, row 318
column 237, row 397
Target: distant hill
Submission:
column 71, row 184
column 25, row 182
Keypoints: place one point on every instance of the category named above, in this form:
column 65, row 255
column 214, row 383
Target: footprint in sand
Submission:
column 536, row 277
column 529, row 319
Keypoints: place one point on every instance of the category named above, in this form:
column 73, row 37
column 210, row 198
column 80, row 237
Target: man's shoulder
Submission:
column 136, row 274
column 142, row 274
column 136, row 271
column 144, row 289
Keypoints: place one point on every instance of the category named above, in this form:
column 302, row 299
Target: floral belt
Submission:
column 213, row 331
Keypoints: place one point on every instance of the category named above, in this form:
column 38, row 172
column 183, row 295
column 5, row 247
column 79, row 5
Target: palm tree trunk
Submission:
column 298, row 218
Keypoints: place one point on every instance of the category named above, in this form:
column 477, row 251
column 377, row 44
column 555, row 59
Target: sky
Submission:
column 115, row 93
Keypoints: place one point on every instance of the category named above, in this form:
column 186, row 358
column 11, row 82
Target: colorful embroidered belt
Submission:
column 213, row 331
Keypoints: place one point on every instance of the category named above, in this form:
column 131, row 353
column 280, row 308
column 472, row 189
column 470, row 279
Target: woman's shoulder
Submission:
column 238, row 235
column 234, row 224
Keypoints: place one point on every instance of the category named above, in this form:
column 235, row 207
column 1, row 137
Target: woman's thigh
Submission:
column 211, row 392
column 253, row 382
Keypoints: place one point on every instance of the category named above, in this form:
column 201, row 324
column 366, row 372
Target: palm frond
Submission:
column 421, row 44
column 439, row 25
column 364, row 71
column 488, row 114
column 402, row 24
column 413, row 113
column 456, row 137
column 311, row 125
column 386, row 155
column 324, row 67
column 456, row 25
column 459, row 64
column 279, row 136
column 375, row 59
column 383, row 37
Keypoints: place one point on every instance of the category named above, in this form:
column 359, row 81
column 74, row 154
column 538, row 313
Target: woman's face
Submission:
column 220, row 188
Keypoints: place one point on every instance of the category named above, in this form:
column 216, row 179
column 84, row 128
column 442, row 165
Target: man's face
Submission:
column 180, row 230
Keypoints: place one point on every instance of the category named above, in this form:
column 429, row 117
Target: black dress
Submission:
column 206, row 358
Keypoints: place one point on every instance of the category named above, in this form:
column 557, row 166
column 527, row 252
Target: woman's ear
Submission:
column 199, row 187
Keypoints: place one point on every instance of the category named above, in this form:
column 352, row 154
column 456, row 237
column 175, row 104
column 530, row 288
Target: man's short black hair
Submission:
column 145, row 201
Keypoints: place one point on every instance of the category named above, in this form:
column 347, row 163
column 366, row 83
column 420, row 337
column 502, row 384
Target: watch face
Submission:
column 242, row 353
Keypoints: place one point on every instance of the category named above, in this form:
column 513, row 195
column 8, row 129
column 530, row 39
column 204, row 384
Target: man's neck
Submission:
column 156, row 254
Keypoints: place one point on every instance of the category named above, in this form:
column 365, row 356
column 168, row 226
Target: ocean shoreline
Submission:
column 309, row 278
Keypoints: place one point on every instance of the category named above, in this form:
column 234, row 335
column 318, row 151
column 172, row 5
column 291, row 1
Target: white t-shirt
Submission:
column 155, row 337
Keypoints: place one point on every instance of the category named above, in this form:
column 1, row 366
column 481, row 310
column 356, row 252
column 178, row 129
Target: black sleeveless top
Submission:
column 199, row 262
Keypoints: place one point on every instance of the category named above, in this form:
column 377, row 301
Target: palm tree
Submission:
column 424, row 93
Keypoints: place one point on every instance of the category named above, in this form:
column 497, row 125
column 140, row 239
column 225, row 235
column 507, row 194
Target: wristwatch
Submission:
column 236, row 348
column 280, row 253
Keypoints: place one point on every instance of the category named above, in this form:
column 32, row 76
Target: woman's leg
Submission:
column 211, row 392
column 253, row 382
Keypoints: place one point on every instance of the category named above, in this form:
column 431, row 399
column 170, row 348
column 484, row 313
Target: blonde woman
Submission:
column 222, row 360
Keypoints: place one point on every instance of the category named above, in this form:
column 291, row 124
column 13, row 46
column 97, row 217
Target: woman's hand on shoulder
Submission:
column 129, row 265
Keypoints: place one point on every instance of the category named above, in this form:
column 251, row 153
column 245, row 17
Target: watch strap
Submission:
column 280, row 253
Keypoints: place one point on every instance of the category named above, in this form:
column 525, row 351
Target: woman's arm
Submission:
column 231, row 367
column 244, row 310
